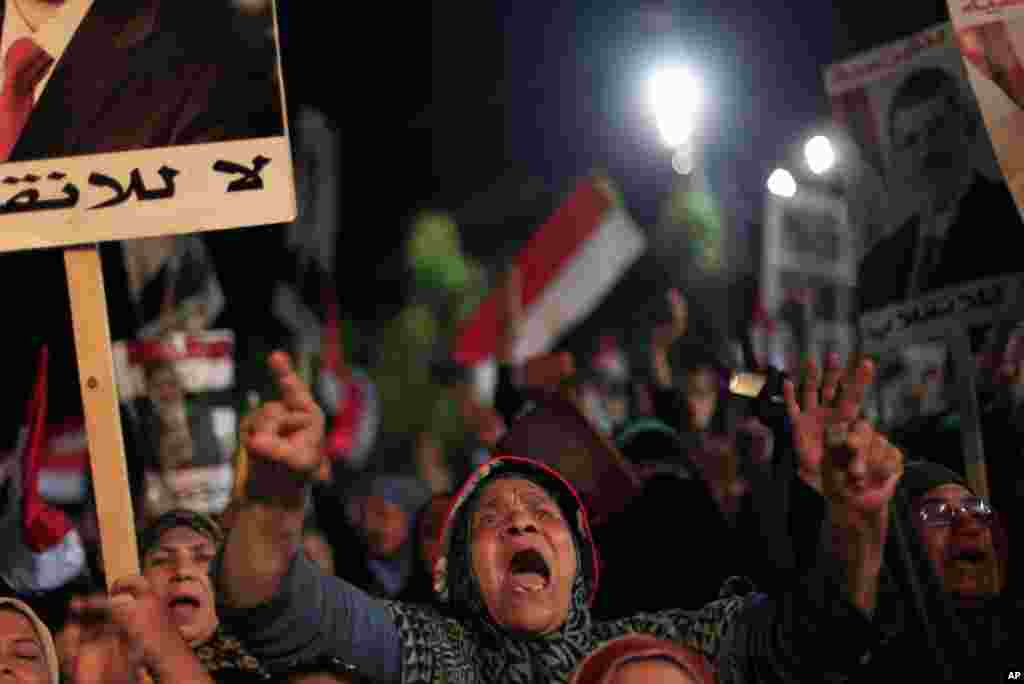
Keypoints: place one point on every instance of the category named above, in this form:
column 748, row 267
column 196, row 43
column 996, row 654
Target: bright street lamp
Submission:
column 676, row 99
column 684, row 159
column 781, row 183
column 820, row 154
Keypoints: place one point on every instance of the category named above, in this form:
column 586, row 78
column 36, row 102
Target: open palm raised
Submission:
column 840, row 454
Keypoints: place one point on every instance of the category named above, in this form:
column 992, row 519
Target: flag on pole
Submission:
column 567, row 268
column 43, row 551
column 348, row 395
column 64, row 463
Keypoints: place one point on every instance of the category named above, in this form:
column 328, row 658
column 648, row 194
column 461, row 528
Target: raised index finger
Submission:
column 294, row 392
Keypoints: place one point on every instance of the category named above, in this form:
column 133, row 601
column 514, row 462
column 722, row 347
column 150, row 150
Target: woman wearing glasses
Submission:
column 962, row 537
column 956, row 527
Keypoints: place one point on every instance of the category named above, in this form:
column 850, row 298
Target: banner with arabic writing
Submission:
column 142, row 119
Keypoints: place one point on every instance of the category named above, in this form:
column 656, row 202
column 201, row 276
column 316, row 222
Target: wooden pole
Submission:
column 102, row 412
column 970, row 414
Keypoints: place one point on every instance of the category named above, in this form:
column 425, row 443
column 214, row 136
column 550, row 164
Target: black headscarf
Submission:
column 920, row 477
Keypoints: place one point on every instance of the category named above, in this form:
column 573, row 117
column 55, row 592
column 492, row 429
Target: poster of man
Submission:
column 169, row 114
column 129, row 123
column 948, row 218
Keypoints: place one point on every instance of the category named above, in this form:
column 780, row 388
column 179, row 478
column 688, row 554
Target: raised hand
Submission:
column 859, row 476
column 851, row 464
column 141, row 616
column 819, row 408
column 665, row 334
column 282, row 438
column 126, row 638
column 116, row 639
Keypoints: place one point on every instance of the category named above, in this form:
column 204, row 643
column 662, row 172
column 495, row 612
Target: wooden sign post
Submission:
column 102, row 412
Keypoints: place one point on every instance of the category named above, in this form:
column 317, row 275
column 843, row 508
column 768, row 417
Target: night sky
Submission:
column 457, row 105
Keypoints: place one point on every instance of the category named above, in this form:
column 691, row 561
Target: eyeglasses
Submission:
column 944, row 513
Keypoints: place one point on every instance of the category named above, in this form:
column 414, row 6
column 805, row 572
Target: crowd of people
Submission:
column 655, row 527
column 765, row 540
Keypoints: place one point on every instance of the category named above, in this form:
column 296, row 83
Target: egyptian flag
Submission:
column 64, row 463
column 348, row 396
column 43, row 551
column 566, row 268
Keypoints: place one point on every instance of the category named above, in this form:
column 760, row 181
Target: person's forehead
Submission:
column 15, row 625
column 655, row 666
column 183, row 536
column 507, row 487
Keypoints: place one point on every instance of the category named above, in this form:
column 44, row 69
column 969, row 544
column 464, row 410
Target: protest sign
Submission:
column 126, row 120
column 808, row 275
column 991, row 38
column 908, row 108
column 154, row 118
column 938, row 198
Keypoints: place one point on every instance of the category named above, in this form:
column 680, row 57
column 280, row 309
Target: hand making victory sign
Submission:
column 854, row 467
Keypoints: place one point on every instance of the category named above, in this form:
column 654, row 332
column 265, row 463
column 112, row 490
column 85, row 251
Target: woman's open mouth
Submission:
column 529, row 572
column 183, row 608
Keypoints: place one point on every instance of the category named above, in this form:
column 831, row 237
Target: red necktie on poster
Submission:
column 24, row 66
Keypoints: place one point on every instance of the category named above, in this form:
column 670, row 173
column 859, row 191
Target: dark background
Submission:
column 492, row 110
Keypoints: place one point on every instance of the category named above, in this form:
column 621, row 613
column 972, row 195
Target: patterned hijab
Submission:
column 224, row 656
column 465, row 646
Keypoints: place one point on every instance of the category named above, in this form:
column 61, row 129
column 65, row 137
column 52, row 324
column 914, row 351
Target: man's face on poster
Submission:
column 931, row 144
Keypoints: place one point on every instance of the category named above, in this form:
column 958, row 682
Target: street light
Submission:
column 781, row 183
column 676, row 99
column 683, row 160
column 820, row 154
